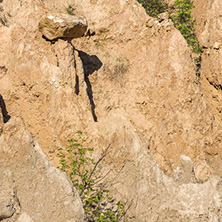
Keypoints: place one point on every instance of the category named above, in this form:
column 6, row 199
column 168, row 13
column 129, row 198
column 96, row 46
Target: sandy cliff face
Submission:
column 208, row 16
column 159, row 91
column 31, row 187
column 130, row 83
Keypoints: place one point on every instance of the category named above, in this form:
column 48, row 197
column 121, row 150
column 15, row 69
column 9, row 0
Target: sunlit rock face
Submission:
column 57, row 25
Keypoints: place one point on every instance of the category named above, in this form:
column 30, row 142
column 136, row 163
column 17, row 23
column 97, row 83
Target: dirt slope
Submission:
column 130, row 83
column 208, row 17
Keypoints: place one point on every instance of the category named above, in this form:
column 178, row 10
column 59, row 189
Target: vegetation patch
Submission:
column 183, row 21
column 180, row 13
column 154, row 7
column 116, row 70
column 86, row 176
column 70, row 10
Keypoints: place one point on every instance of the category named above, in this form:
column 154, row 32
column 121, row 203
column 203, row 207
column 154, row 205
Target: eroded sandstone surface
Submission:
column 129, row 82
column 31, row 188
column 208, row 17
column 55, row 25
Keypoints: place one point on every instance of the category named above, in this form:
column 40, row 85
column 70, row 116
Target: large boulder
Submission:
column 58, row 25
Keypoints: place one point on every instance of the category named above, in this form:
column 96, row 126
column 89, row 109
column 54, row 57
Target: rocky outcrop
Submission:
column 209, row 23
column 153, row 80
column 54, row 26
column 149, row 193
column 31, row 188
column 130, row 82
column 208, row 31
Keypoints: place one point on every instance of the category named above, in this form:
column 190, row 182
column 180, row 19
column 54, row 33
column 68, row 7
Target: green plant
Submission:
column 154, row 7
column 180, row 13
column 184, row 22
column 85, row 174
column 70, row 10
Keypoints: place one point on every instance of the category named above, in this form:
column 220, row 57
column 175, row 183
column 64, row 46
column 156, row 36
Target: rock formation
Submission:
column 150, row 194
column 130, row 82
column 31, row 188
column 54, row 26
column 209, row 35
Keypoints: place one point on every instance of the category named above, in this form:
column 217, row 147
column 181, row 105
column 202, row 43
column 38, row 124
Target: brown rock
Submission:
column 217, row 45
column 153, row 195
column 54, row 26
column 151, row 22
column 163, row 16
column 148, row 72
column 209, row 28
column 209, row 34
column 31, row 187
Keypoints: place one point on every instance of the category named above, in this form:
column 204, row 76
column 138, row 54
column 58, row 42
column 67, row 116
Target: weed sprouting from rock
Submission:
column 70, row 10
column 180, row 13
column 154, row 7
column 86, row 176
column 184, row 22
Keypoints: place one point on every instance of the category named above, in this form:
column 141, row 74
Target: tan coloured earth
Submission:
column 209, row 33
column 130, row 82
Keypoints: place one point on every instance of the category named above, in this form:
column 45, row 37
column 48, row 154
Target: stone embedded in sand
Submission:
column 6, row 209
column 57, row 25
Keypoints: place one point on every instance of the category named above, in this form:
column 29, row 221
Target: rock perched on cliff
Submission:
column 57, row 25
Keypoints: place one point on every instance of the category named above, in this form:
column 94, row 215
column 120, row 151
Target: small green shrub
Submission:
column 180, row 13
column 183, row 21
column 154, row 7
column 85, row 174
column 70, row 10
